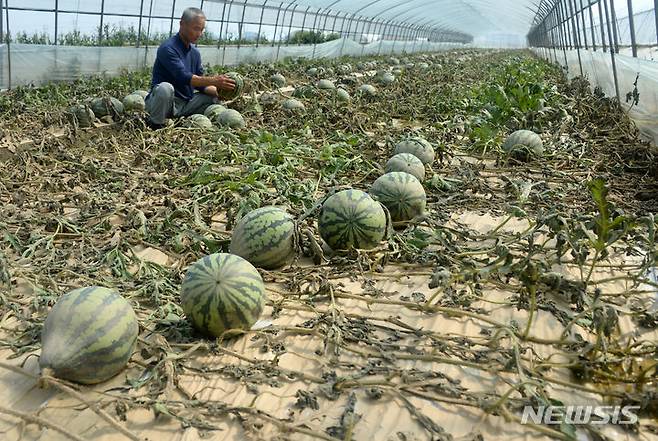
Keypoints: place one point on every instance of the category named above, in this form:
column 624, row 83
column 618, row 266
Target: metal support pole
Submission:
column 381, row 42
column 171, row 21
column 582, row 20
column 655, row 13
column 228, row 21
column 56, row 19
column 631, row 24
column 576, row 34
column 100, row 28
column 244, row 9
column 139, row 25
column 613, row 23
column 612, row 52
column 561, row 22
column 8, row 40
column 603, row 43
column 260, row 23
column 276, row 23
column 2, row 22
column 591, row 24
column 283, row 20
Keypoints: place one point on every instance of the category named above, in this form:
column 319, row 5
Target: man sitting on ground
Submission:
column 178, row 87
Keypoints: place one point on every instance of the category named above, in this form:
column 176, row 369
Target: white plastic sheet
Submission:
column 597, row 67
column 39, row 64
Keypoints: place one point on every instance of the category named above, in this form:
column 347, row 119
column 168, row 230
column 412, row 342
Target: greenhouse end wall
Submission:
column 35, row 64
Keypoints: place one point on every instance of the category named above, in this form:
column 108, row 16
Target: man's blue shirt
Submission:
column 175, row 64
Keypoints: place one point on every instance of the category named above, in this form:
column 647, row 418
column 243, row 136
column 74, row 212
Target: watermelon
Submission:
column 213, row 110
column 344, row 69
column 418, row 147
column 82, row 115
column 306, row 91
column 199, row 121
column 278, row 80
column 523, row 143
column 142, row 93
column 384, row 77
column 228, row 95
column 265, row 237
column 268, row 99
column 88, row 336
column 326, row 85
column 352, row 219
column 401, row 193
column 133, row 103
column 406, row 162
column 342, row 95
column 220, row 292
column 106, row 106
column 292, row 104
column 367, row 90
column 230, row 118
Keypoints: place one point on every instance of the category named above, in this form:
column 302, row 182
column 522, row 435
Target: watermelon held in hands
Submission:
column 523, row 144
column 228, row 95
column 265, row 237
column 221, row 292
column 406, row 162
column 88, row 336
column 351, row 219
column 401, row 193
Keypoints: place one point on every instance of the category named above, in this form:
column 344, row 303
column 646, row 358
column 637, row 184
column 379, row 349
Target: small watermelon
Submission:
column 306, row 91
column 401, row 193
column 133, row 103
column 88, row 336
column 522, row 144
column 352, row 219
column 213, row 110
column 222, row 291
column 199, row 121
column 292, row 104
column 418, row 147
column 230, row 118
column 82, row 115
column 406, row 162
column 278, row 80
column 326, row 85
column 342, row 95
column 228, row 95
column 265, row 237
column 106, row 106
column 142, row 93
column 368, row 90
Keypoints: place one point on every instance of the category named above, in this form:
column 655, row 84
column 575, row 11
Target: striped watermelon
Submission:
column 237, row 91
column 213, row 110
column 106, row 106
column 221, row 292
column 230, row 118
column 265, row 237
column 418, row 147
column 88, row 336
column 406, row 162
column 401, row 193
column 523, row 143
column 352, row 219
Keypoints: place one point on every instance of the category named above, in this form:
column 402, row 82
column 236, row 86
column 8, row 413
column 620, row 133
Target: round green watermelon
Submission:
column 230, row 118
column 199, row 121
column 292, row 104
column 351, row 219
column 88, row 336
column 133, row 103
column 524, row 144
column 213, row 110
column 418, row 147
column 222, row 292
column 278, row 80
column 106, row 106
column 406, row 162
column 401, row 193
column 228, row 95
column 265, row 237
column 82, row 114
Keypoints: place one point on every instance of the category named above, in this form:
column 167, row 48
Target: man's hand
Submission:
column 223, row 82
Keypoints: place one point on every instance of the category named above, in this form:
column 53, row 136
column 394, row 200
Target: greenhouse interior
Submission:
column 421, row 220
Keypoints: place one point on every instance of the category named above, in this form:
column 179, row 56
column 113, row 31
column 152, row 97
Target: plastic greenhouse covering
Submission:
column 411, row 220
